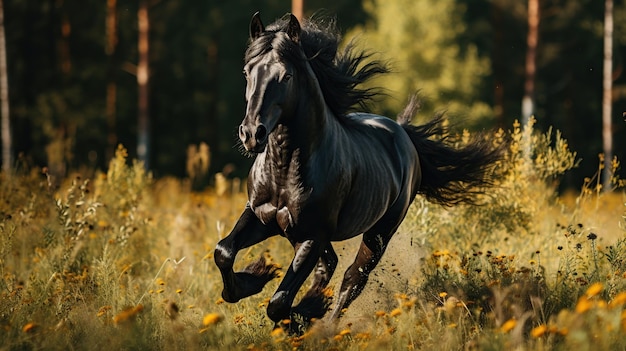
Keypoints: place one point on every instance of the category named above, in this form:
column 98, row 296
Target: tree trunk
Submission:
column 143, row 126
column 607, row 86
column 4, row 99
column 528, row 101
column 65, row 57
column 297, row 8
column 111, row 94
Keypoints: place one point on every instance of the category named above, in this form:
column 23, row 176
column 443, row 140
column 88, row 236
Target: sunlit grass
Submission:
column 124, row 261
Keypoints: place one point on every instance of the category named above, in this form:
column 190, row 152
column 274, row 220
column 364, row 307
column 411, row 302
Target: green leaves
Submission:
column 421, row 39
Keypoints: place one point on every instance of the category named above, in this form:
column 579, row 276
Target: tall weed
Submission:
column 124, row 261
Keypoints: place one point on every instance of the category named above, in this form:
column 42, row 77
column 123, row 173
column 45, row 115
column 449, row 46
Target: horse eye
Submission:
column 287, row 77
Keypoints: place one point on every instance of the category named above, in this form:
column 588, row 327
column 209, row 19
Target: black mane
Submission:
column 340, row 74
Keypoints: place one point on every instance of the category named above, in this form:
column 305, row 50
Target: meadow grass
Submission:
column 124, row 261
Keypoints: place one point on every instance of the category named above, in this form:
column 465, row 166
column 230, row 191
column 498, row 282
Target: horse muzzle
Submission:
column 253, row 138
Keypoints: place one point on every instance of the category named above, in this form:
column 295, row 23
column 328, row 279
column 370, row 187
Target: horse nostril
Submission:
column 261, row 133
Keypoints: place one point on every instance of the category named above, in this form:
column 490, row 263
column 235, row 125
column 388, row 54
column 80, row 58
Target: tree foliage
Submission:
column 422, row 41
column 465, row 57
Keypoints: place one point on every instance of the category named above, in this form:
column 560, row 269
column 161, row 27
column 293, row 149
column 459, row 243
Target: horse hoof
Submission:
column 228, row 298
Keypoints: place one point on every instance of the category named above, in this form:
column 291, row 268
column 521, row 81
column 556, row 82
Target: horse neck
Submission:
column 312, row 118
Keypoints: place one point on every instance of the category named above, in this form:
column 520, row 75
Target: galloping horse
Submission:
column 323, row 173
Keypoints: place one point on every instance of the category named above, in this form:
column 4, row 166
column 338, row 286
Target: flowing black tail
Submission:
column 449, row 175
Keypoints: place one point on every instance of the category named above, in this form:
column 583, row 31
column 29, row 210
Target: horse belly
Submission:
column 359, row 214
column 386, row 185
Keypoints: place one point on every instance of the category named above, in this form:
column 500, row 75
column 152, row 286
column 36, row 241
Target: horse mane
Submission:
column 340, row 73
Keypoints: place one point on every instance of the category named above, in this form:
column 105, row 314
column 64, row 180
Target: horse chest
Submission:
column 276, row 190
column 279, row 205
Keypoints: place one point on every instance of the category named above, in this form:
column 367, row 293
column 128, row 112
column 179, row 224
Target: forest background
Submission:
column 78, row 87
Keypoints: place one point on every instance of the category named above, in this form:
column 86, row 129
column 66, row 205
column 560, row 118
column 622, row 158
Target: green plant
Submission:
column 124, row 261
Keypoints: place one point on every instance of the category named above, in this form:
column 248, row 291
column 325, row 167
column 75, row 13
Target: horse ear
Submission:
column 293, row 28
column 256, row 26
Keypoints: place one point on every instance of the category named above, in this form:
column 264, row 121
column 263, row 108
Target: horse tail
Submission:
column 450, row 175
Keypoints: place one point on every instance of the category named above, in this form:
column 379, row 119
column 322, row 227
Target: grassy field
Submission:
column 121, row 261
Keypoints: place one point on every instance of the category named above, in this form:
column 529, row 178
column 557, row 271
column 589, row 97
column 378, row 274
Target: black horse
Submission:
column 324, row 174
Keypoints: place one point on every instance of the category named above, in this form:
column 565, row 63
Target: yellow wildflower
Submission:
column 594, row 290
column 344, row 332
column 508, row 325
column 401, row 296
column 277, row 333
column 619, row 300
column 396, row 312
column 539, row 331
column 29, row 327
column 583, row 305
column 127, row 314
column 409, row 303
column 211, row 318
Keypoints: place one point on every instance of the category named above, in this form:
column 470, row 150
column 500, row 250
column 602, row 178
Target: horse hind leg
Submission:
column 372, row 248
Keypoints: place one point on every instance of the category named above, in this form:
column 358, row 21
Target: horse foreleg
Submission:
column 316, row 301
column 248, row 231
column 306, row 256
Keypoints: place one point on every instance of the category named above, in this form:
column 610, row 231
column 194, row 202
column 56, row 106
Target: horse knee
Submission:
column 224, row 257
column 279, row 306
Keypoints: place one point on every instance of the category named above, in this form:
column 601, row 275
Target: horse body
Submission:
column 322, row 174
column 327, row 182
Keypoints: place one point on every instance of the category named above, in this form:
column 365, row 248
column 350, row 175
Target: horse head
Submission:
column 271, row 93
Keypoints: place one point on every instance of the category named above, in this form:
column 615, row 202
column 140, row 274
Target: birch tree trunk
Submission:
column 111, row 94
column 297, row 8
column 143, row 74
column 7, row 160
column 607, row 86
column 528, row 101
